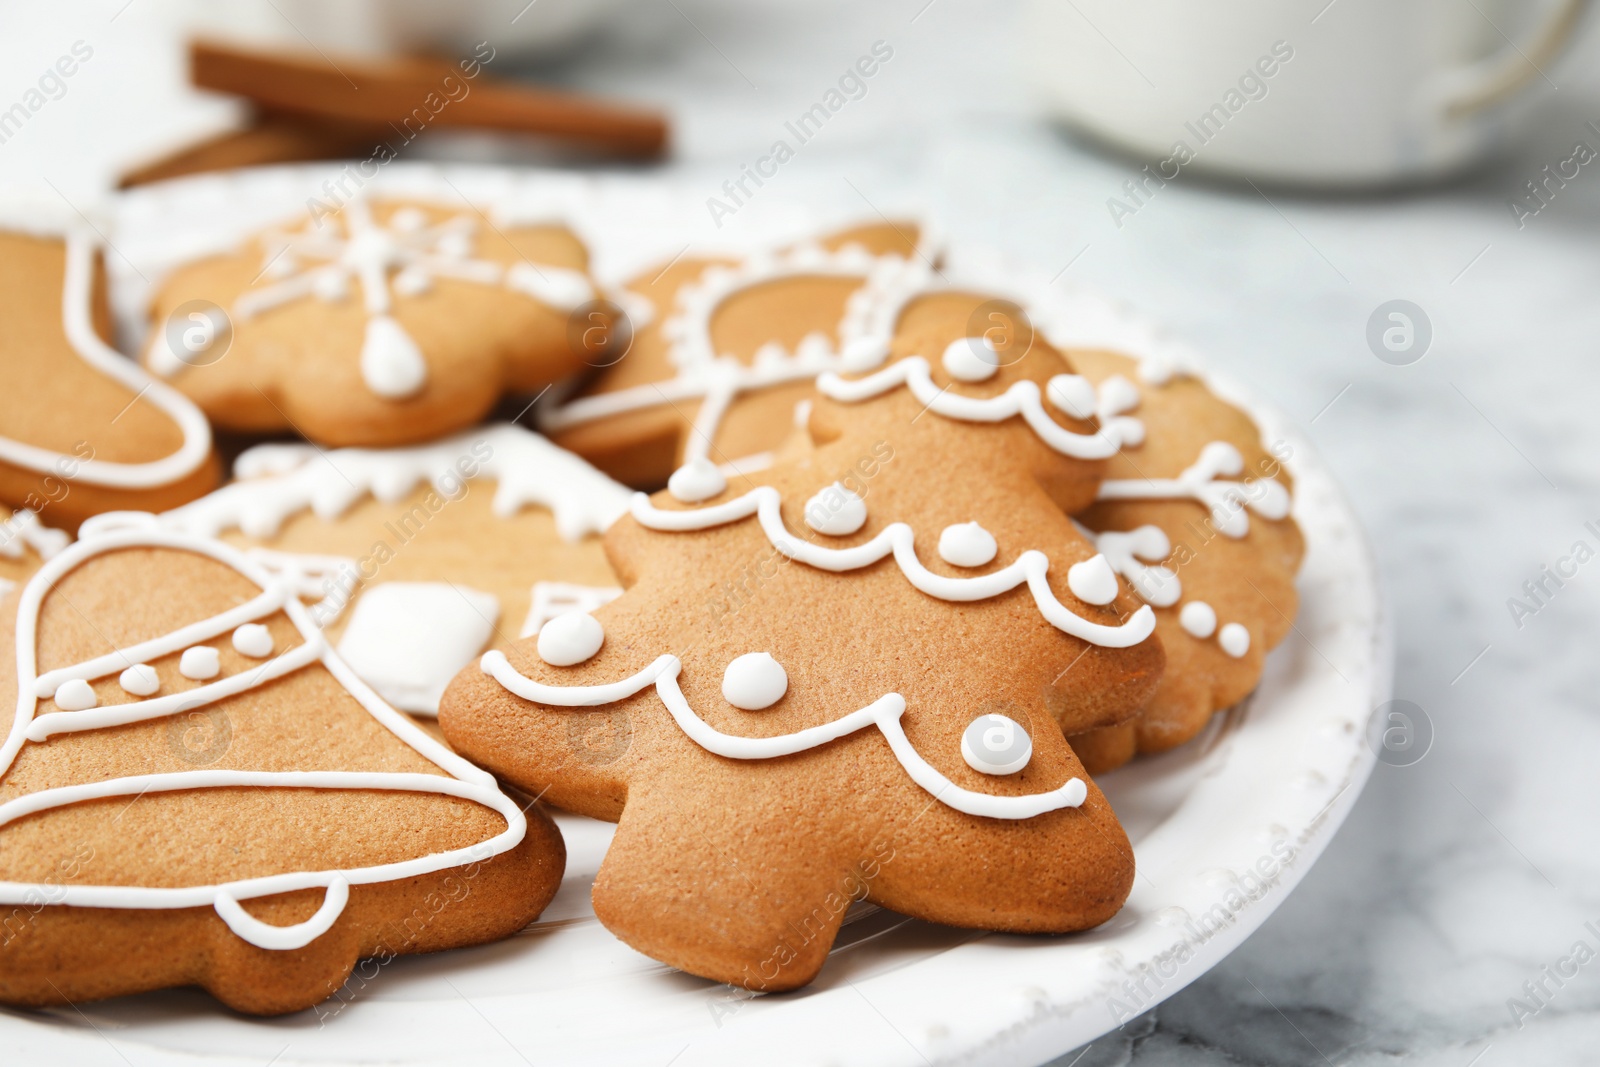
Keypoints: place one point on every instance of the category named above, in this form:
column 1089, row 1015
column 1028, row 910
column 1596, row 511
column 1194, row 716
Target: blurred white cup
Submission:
column 1352, row 92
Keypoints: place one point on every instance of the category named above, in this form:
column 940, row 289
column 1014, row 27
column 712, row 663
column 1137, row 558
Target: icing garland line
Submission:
column 885, row 713
column 459, row 778
column 76, row 292
column 1226, row 500
column 276, row 481
column 897, row 539
column 1022, row 398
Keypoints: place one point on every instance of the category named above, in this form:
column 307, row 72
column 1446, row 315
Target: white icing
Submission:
column 1234, row 639
column 1115, row 398
column 409, row 639
column 253, row 640
column 754, row 681
column 76, row 301
column 697, row 480
column 391, row 363
column 1226, row 500
column 716, row 379
column 570, row 638
column 971, row 359
column 277, row 481
column 458, row 778
column 1022, row 398
column 76, row 694
column 1136, row 555
column 549, row 599
column 24, row 530
column 1093, row 581
column 836, row 511
column 140, row 679
column 897, row 539
column 1198, row 619
column 995, row 744
column 322, row 261
column 1071, row 393
column 966, row 544
column 199, row 663
column 885, row 713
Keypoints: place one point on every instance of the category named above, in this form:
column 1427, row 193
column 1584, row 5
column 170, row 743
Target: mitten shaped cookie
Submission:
column 844, row 677
column 196, row 791
column 1194, row 517
column 374, row 323
column 420, row 558
column 82, row 428
column 724, row 353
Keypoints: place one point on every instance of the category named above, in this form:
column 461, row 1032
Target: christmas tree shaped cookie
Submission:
column 847, row 676
column 372, row 323
column 1194, row 516
column 725, row 351
column 82, row 428
column 195, row 790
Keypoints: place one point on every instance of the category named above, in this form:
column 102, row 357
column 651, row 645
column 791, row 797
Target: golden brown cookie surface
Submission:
column 422, row 557
column 194, row 792
column 731, row 349
column 380, row 323
column 1194, row 516
column 82, row 429
column 841, row 678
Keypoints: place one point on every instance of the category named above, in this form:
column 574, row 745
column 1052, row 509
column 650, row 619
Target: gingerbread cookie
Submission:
column 82, row 429
column 1194, row 517
column 372, row 323
column 420, row 558
column 846, row 676
column 196, row 790
column 727, row 349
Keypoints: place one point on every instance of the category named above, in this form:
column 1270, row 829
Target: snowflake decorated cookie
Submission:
column 846, row 676
column 82, row 428
column 195, row 789
column 723, row 355
column 417, row 559
column 381, row 322
column 1194, row 518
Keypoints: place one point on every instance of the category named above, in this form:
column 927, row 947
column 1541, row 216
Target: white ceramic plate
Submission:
column 1223, row 829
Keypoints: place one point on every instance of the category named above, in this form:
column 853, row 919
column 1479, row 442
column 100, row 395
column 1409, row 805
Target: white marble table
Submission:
column 1458, row 880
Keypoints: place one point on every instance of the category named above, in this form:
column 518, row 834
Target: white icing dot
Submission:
column 863, row 354
column 754, row 681
column 1073, row 394
column 1234, row 639
column 1198, row 618
column 75, row 694
column 995, row 744
column 391, row 363
column 1093, row 581
column 836, row 511
column 966, row 544
column 696, row 480
column 971, row 359
column 253, row 640
column 412, row 282
column 408, row 220
column 802, row 413
column 455, row 245
column 330, row 284
column 200, row 662
column 140, row 679
column 569, row 638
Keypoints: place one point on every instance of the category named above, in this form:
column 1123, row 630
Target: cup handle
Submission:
column 1502, row 76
